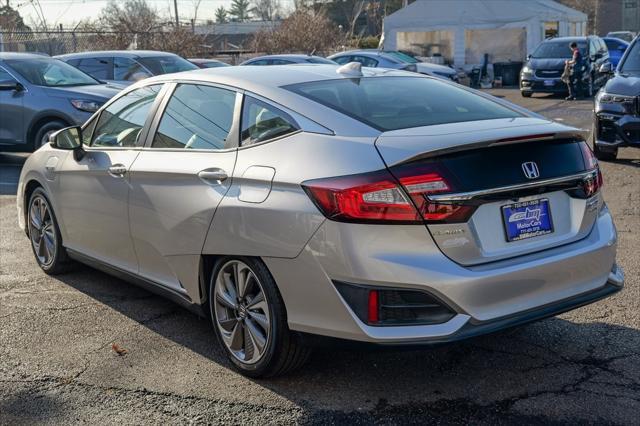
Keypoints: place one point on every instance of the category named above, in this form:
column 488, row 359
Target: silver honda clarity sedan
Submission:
column 314, row 200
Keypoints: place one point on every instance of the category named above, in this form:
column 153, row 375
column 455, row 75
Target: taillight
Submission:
column 379, row 197
column 368, row 197
column 422, row 180
column 591, row 186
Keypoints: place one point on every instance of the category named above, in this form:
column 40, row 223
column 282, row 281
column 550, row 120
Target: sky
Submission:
column 71, row 12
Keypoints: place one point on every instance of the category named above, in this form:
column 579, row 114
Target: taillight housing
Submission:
column 591, row 186
column 398, row 196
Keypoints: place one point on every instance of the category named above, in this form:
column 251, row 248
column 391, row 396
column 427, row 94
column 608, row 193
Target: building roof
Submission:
column 234, row 28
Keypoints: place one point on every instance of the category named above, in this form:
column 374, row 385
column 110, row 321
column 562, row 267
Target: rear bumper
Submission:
column 486, row 298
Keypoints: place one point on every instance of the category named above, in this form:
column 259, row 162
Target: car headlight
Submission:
column 526, row 69
column 611, row 98
column 84, row 105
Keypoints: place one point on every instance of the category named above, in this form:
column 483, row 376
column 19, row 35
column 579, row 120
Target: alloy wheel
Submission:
column 41, row 231
column 242, row 312
column 45, row 137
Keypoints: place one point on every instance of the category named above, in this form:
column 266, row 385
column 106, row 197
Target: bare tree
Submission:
column 303, row 31
column 267, row 10
column 132, row 16
column 352, row 9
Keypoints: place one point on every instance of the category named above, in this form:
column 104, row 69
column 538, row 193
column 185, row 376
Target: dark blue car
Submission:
column 616, row 47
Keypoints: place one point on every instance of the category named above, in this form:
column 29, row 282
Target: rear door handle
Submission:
column 213, row 176
column 117, row 170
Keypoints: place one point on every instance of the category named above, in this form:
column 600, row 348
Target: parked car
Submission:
column 40, row 95
column 127, row 66
column 543, row 69
column 616, row 48
column 627, row 36
column 208, row 63
column 287, row 60
column 409, row 210
column 616, row 121
column 394, row 60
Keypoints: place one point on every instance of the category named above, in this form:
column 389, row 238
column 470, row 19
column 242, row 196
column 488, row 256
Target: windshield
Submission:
column 632, row 59
column 557, row 50
column 403, row 57
column 50, row 72
column 391, row 103
column 166, row 64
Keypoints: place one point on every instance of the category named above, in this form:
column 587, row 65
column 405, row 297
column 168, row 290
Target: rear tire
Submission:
column 44, row 234
column 42, row 135
column 526, row 94
column 250, row 319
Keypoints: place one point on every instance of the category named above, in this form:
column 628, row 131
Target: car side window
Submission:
column 196, row 117
column 4, row 75
column 366, row 62
column 342, row 60
column 87, row 131
column 259, row 62
column 280, row 62
column 261, row 122
column 120, row 124
column 95, row 67
column 126, row 69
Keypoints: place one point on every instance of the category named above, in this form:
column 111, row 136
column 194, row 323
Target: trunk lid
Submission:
column 485, row 165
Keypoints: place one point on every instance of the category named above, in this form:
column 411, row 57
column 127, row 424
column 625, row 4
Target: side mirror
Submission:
column 69, row 138
column 7, row 85
column 606, row 68
column 528, row 56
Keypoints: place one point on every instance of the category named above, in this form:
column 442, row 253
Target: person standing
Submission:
column 575, row 79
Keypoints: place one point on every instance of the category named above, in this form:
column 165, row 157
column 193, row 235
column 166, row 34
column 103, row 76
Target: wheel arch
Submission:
column 40, row 120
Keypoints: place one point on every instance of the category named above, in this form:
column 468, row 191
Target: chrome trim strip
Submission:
column 466, row 196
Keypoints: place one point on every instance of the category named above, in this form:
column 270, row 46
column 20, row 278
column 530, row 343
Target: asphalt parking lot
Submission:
column 57, row 363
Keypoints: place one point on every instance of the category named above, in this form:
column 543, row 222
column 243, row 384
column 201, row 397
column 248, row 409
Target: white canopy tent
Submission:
column 462, row 31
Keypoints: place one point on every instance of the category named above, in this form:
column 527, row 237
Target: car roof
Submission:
column 569, row 39
column 616, row 39
column 20, row 55
column 205, row 60
column 115, row 53
column 373, row 52
column 285, row 56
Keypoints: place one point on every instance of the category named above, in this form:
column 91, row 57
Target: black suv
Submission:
column 616, row 121
column 543, row 69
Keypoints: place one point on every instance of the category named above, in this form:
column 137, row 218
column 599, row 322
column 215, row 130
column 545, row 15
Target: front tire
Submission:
column 42, row 135
column 526, row 94
column 44, row 234
column 250, row 320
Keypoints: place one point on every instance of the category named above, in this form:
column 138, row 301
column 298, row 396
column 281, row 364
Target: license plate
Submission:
column 527, row 219
column 549, row 82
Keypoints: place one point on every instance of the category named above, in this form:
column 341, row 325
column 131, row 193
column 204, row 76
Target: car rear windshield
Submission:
column 318, row 60
column 392, row 103
column 557, row 50
column 166, row 64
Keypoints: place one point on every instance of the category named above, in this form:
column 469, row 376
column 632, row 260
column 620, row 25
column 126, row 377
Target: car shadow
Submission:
column 632, row 162
column 551, row 354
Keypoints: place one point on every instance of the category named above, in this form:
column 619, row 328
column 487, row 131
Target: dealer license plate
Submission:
column 527, row 219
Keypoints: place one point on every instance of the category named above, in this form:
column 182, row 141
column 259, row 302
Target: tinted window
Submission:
column 612, row 45
column 196, row 117
column 126, row 69
column 632, row 59
column 389, row 103
column 403, row 57
column 87, row 131
column 50, row 72
column 121, row 122
column 4, row 75
column 317, row 60
column 214, row 64
column 365, row 61
column 261, row 122
column 342, row 60
column 557, row 49
column 281, row 62
column 95, row 67
column 167, row 64
column 259, row 62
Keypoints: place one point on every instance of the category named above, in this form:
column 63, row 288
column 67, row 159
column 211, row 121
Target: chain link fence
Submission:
column 182, row 42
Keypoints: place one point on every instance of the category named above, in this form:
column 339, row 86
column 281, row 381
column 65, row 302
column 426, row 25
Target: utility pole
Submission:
column 175, row 6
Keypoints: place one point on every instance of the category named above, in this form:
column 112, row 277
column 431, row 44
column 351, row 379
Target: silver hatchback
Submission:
column 361, row 204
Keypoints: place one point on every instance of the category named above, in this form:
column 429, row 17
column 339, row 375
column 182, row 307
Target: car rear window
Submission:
column 392, row 103
column 167, row 64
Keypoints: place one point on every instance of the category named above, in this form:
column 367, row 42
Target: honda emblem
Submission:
column 530, row 170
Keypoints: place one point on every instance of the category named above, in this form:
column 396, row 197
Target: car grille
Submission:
column 548, row 73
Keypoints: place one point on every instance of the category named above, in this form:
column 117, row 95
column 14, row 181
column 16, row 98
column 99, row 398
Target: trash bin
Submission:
column 509, row 71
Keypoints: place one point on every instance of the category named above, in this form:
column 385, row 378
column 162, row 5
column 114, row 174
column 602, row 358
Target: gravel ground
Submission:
column 57, row 364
